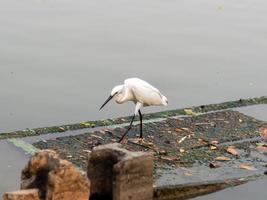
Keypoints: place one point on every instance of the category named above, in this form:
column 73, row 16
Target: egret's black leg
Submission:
column 130, row 126
column 141, row 124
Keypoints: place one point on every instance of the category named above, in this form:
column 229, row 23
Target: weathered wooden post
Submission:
column 118, row 174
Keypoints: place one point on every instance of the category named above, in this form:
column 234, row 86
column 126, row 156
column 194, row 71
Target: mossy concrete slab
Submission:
column 185, row 143
column 107, row 122
column 185, row 148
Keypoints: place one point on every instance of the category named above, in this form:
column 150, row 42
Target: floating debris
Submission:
column 232, row 150
column 182, row 139
column 222, row 158
column 213, row 147
column 214, row 165
column 247, row 167
column 189, row 111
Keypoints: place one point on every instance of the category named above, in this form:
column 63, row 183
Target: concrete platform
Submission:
column 186, row 144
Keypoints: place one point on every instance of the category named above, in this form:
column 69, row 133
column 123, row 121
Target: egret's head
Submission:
column 115, row 92
column 164, row 100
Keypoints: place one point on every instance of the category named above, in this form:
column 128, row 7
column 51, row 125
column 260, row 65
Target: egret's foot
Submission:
column 137, row 140
column 141, row 140
column 123, row 141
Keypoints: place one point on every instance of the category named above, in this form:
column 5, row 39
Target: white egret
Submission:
column 141, row 93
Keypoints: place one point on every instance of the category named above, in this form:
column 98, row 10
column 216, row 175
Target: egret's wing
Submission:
column 137, row 82
column 143, row 91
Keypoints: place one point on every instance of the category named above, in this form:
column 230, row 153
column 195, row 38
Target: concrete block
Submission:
column 31, row 194
column 118, row 174
column 56, row 179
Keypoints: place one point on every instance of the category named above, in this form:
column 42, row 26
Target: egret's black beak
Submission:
column 109, row 98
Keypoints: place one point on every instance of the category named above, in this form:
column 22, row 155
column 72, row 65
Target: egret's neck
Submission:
column 124, row 96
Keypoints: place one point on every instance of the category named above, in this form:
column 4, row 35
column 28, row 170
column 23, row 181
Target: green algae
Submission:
column 121, row 120
column 28, row 148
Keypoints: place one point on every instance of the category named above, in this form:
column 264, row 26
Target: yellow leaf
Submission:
column 247, row 167
column 182, row 150
column 232, row 150
column 189, row 112
column 260, row 144
column 188, row 174
column 222, row 158
column 213, row 147
column 85, row 124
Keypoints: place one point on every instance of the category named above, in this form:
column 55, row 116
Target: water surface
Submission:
column 60, row 58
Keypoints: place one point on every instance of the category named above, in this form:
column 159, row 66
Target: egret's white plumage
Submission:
column 141, row 93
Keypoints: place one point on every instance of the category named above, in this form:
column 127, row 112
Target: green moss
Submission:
column 108, row 122
column 24, row 145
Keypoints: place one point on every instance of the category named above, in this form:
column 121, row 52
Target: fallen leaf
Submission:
column 261, row 148
column 213, row 147
column 86, row 124
column 188, row 174
column 186, row 129
column 107, row 131
column 179, row 130
column 232, row 150
column 162, row 152
column 86, row 151
column 202, row 141
column 263, row 132
column 247, row 167
column 182, row 150
column 96, row 136
column 260, row 144
column 222, row 158
column 61, row 129
column 214, row 165
column 189, row 112
column 182, row 139
column 170, row 158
